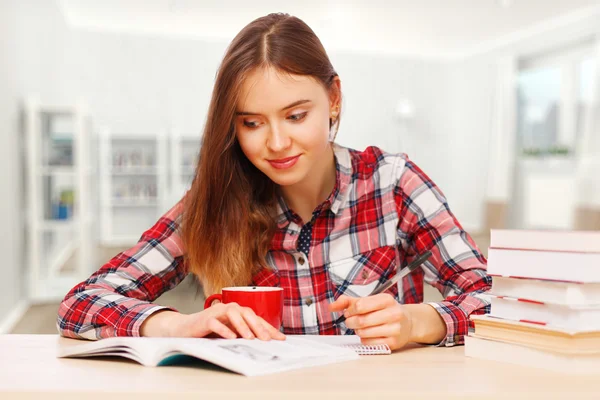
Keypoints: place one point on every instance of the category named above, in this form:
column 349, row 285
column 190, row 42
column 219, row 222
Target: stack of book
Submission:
column 545, row 301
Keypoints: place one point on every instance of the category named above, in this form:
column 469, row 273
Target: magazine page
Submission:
column 247, row 357
column 255, row 357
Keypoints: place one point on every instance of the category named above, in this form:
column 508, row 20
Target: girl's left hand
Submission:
column 377, row 319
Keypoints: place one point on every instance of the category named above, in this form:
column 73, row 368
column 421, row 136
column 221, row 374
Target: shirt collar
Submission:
column 343, row 177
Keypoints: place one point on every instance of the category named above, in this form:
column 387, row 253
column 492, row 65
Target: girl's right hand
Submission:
column 224, row 320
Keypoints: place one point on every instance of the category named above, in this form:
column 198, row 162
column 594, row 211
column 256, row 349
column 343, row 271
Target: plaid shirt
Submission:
column 382, row 212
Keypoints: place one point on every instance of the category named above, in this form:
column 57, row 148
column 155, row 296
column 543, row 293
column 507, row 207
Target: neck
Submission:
column 304, row 196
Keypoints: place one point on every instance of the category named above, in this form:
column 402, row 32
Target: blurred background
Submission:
column 102, row 105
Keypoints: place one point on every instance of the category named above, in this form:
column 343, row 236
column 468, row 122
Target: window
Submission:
column 554, row 95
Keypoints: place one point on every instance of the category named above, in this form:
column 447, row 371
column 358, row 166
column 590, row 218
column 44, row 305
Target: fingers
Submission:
column 216, row 326
column 379, row 317
column 263, row 330
column 245, row 322
column 379, row 331
column 370, row 304
column 255, row 323
column 343, row 302
column 235, row 316
column 274, row 333
column 391, row 326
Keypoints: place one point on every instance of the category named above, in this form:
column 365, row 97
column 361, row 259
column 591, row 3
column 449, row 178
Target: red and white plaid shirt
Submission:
column 382, row 212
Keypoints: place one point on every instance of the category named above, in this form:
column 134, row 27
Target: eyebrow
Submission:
column 294, row 104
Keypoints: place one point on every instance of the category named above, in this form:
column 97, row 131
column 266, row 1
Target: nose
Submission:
column 277, row 141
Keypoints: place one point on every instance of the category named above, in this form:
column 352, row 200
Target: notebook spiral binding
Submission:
column 367, row 350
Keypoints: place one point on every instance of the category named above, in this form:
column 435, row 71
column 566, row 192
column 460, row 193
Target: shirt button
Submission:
column 301, row 260
column 308, row 302
column 365, row 274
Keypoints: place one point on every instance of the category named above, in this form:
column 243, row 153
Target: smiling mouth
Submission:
column 284, row 163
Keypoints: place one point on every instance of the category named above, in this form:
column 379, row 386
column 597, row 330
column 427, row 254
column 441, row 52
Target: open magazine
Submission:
column 246, row 357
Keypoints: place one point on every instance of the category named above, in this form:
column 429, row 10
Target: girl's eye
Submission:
column 250, row 124
column 297, row 117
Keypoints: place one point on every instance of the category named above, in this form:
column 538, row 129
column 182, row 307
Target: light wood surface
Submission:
column 30, row 369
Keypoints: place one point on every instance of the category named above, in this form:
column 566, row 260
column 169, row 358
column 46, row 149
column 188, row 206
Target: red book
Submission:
column 575, row 318
column 547, row 291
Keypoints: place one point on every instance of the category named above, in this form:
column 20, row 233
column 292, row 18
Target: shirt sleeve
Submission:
column 116, row 299
column 456, row 268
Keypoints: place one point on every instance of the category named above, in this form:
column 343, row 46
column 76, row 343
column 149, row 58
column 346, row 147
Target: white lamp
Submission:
column 405, row 110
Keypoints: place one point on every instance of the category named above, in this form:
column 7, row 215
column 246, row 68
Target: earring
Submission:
column 334, row 113
column 332, row 120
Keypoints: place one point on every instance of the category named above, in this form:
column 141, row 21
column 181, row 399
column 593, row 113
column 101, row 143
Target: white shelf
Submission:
column 58, row 110
column 58, row 225
column 184, row 151
column 133, row 202
column 64, row 171
column 134, row 185
column 54, row 290
column 60, row 256
column 51, row 242
column 134, row 170
column 58, row 170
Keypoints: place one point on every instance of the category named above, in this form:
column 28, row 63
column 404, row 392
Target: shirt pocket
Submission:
column 359, row 275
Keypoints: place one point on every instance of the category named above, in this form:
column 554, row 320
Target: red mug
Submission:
column 266, row 302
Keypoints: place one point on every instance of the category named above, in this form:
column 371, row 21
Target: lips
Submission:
column 284, row 163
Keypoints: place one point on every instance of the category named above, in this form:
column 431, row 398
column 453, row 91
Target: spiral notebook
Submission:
column 369, row 350
column 351, row 342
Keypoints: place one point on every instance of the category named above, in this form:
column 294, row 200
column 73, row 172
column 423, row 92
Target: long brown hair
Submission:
column 228, row 220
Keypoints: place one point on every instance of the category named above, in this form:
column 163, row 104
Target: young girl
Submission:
column 276, row 203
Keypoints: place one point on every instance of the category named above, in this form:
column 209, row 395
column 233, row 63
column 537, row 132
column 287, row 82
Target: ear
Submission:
column 335, row 92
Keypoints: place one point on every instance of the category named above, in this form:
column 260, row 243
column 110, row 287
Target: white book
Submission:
column 557, row 292
column 536, row 335
column 493, row 350
column 574, row 241
column 560, row 266
column 576, row 318
column 246, row 357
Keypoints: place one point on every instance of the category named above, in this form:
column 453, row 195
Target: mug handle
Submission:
column 208, row 302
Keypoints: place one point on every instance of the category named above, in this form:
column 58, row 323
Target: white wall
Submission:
column 40, row 49
column 9, row 245
column 31, row 61
column 372, row 87
column 469, row 133
column 141, row 84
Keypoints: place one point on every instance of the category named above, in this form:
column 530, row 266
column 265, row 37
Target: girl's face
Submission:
column 282, row 124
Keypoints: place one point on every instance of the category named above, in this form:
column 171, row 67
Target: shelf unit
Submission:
column 59, row 195
column 133, row 185
column 183, row 161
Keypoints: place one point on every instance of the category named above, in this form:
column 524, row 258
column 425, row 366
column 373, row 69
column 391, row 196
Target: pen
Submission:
column 401, row 274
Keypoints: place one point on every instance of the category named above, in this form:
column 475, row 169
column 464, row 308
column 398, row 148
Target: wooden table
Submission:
column 29, row 369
